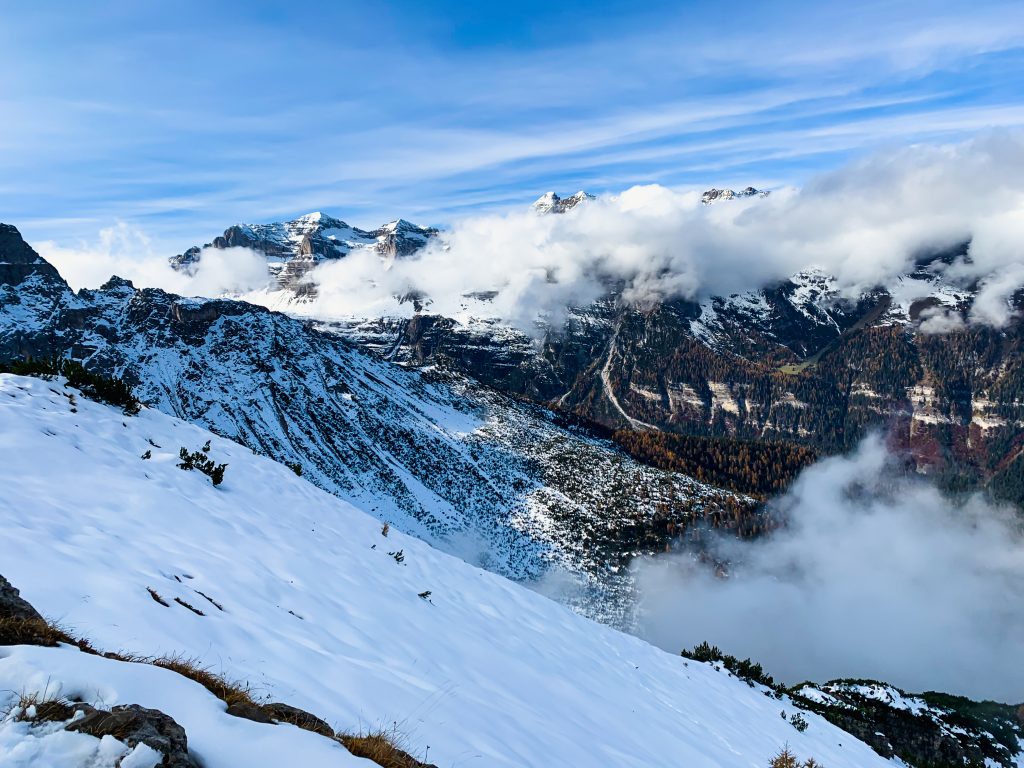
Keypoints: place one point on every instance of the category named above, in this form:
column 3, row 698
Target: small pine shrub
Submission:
column 745, row 669
column 198, row 460
column 295, row 467
column 799, row 722
column 786, row 759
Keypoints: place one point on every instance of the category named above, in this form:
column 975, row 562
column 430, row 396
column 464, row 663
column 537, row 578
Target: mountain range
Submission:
column 553, row 461
column 798, row 362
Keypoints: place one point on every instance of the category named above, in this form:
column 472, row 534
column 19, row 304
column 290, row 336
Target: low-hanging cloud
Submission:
column 864, row 223
column 875, row 575
column 126, row 252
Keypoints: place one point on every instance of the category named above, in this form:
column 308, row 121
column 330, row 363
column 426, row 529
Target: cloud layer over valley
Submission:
column 876, row 575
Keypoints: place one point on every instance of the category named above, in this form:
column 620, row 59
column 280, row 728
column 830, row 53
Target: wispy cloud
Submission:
column 186, row 122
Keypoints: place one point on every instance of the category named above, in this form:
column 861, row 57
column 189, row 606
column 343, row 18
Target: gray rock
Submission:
column 252, row 712
column 285, row 713
column 13, row 605
column 133, row 725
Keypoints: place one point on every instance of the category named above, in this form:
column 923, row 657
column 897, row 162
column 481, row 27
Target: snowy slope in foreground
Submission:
column 317, row 613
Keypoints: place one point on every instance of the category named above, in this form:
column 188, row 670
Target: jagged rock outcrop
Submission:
column 18, row 262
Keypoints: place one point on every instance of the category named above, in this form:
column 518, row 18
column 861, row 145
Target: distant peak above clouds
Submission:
column 714, row 195
column 292, row 248
column 549, row 202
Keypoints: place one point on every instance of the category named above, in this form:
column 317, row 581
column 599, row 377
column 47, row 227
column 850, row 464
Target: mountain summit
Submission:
column 549, row 202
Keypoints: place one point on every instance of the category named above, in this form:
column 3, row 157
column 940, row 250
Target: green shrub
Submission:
column 745, row 669
column 200, row 461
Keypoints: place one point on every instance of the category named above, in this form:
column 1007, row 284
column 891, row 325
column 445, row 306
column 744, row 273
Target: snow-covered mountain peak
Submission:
column 315, row 221
column 550, row 202
column 714, row 194
column 400, row 225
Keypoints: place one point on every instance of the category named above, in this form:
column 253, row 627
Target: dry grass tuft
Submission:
column 40, row 707
column 386, row 748
column 33, row 631
column 231, row 692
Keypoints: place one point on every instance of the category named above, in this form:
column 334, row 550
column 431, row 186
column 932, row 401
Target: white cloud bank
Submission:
column 864, row 223
column 876, row 575
column 126, row 252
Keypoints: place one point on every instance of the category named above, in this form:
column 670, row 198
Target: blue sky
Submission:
column 182, row 118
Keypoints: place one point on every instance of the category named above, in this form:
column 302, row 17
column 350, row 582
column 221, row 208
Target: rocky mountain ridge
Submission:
column 796, row 362
column 293, row 248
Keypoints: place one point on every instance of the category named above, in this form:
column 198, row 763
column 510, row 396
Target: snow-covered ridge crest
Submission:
column 714, row 195
column 316, row 608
